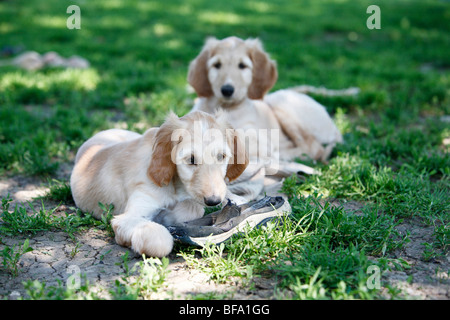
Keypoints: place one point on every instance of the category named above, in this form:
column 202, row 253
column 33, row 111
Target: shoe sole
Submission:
column 251, row 221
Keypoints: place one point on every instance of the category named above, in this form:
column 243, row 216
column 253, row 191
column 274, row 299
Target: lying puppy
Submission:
column 165, row 176
column 235, row 75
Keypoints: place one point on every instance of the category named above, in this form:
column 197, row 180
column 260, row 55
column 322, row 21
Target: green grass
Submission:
column 11, row 256
column 30, row 220
column 394, row 162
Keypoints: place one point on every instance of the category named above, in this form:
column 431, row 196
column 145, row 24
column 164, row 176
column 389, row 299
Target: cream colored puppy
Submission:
column 235, row 75
column 165, row 176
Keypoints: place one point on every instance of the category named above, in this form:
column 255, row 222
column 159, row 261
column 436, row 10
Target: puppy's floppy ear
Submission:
column 198, row 71
column 265, row 72
column 162, row 169
column 239, row 161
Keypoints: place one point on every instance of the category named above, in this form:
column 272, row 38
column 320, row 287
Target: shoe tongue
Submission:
column 229, row 211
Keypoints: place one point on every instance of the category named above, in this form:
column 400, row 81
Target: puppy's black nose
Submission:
column 227, row 90
column 212, row 201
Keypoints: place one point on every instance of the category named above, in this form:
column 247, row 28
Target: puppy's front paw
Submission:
column 152, row 239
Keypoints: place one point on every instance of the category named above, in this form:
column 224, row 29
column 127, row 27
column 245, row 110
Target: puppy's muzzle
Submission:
column 227, row 90
column 212, row 201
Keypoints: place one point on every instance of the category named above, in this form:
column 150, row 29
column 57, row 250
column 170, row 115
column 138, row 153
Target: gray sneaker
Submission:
column 219, row 226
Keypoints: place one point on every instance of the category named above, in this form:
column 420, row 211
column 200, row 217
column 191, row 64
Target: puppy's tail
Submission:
column 352, row 91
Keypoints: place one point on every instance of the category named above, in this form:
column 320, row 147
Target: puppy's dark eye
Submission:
column 217, row 65
column 220, row 157
column 192, row 160
column 242, row 66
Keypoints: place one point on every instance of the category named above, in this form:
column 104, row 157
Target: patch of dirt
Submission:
column 21, row 189
column 93, row 253
column 425, row 279
column 55, row 257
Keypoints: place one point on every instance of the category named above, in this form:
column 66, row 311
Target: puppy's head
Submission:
column 204, row 153
column 232, row 69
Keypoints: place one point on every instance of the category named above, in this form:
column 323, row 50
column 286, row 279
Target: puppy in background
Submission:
column 165, row 176
column 235, row 75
